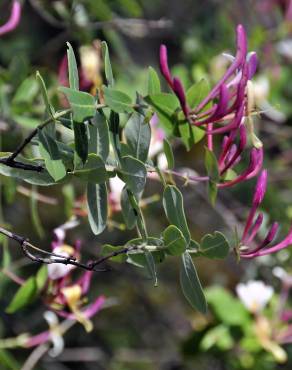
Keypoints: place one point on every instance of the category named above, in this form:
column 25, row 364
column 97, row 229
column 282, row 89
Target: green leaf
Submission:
column 97, row 207
column 94, row 170
column 108, row 249
column 72, row 68
column 26, row 122
column 107, row 64
column 50, row 152
column 27, row 91
column 190, row 135
column 150, row 264
column 191, row 285
column 212, row 191
column 138, row 136
column 24, row 295
column 137, row 257
column 214, row 246
column 227, row 308
column 82, row 104
column 114, row 124
column 129, row 214
column 169, row 154
column 81, row 143
column 98, row 141
column 43, row 87
column 174, row 241
column 153, row 82
column 174, row 210
column 165, row 106
column 32, row 177
column 8, row 361
column 218, row 336
column 212, row 168
column 211, row 165
column 117, row 100
column 197, row 92
column 133, row 173
column 41, row 277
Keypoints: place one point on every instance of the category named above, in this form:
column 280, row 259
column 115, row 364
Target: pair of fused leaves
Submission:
column 178, row 239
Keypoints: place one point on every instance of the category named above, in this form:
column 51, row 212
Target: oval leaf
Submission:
column 138, row 136
column 174, row 210
column 174, row 241
column 97, row 207
column 23, row 296
column 191, row 285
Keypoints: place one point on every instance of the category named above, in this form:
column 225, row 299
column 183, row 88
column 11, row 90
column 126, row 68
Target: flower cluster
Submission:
column 229, row 92
column 230, row 105
column 63, row 295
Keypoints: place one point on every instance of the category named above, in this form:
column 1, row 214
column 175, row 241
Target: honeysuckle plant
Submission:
column 105, row 137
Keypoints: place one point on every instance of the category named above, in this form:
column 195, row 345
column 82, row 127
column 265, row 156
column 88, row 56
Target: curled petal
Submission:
column 263, row 252
column 164, row 65
column 14, row 19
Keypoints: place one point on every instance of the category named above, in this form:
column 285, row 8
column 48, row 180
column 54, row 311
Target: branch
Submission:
column 23, row 166
column 11, row 162
column 57, row 258
column 28, row 139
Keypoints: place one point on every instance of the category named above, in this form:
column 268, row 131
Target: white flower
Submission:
column 254, row 295
column 59, row 270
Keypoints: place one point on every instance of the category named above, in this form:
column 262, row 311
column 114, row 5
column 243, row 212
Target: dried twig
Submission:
column 57, row 258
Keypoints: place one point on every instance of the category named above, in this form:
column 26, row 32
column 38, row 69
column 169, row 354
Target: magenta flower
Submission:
column 230, row 156
column 252, row 226
column 228, row 96
column 56, row 330
column 14, row 19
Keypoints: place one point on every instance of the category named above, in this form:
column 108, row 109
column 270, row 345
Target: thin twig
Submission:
column 28, row 139
column 57, row 258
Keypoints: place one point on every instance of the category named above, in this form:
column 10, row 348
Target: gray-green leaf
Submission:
column 97, row 207
column 191, row 285
column 174, row 210
column 50, row 152
column 82, row 104
column 133, row 173
column 174, row 241
column 138, row 136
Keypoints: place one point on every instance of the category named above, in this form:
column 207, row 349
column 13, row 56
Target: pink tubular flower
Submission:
column 228, row 96
column 14, row 19
column 252, row 227
column 230, row 156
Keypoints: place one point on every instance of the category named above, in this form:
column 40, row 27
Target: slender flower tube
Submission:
column 14, row 19
column 247, row 250
column 228, row 97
